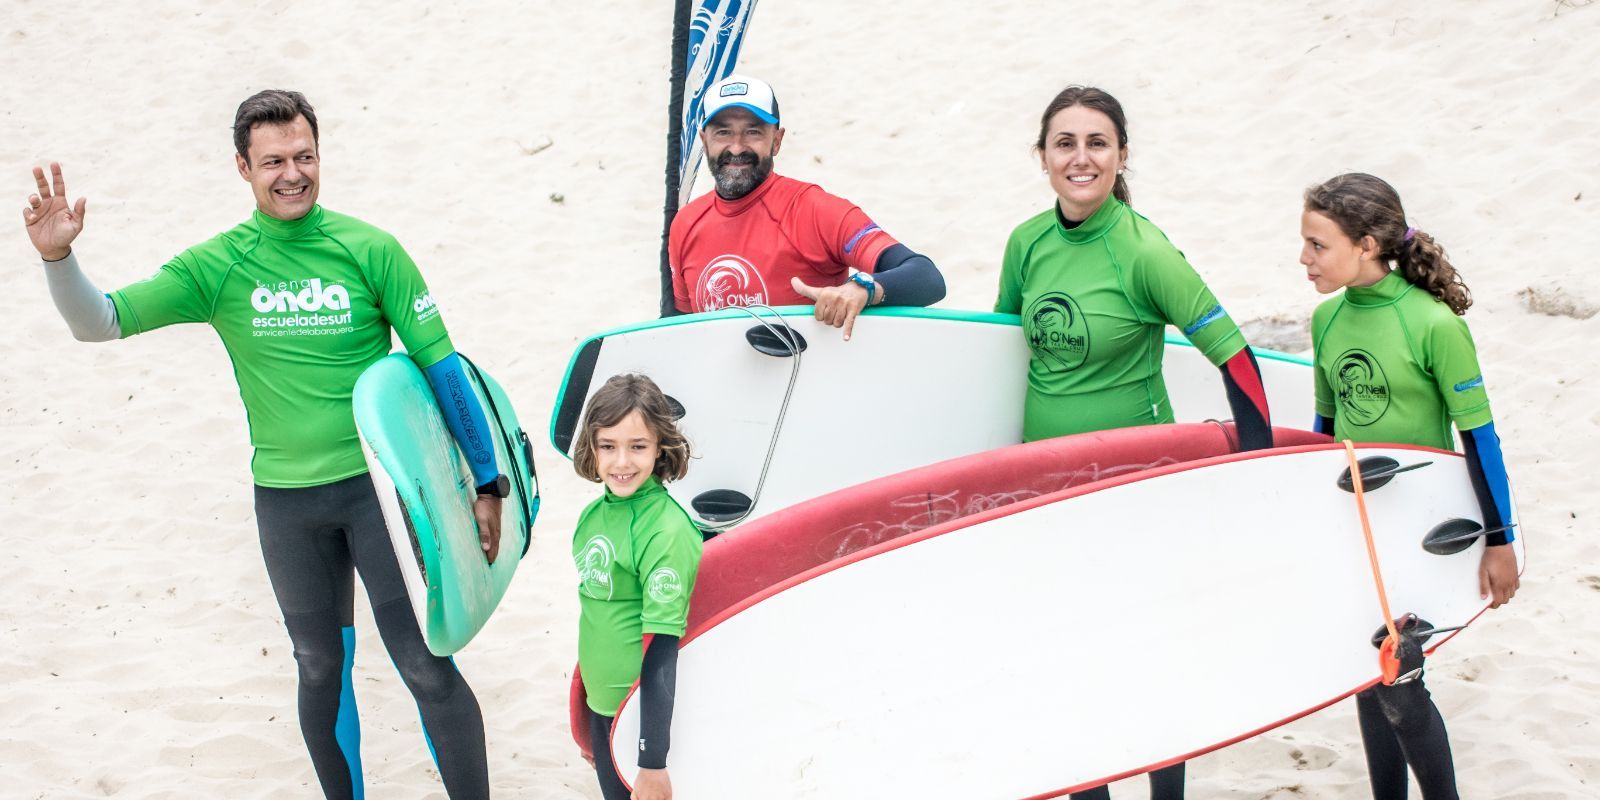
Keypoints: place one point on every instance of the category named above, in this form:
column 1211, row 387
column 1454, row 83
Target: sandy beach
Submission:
column 516, row 150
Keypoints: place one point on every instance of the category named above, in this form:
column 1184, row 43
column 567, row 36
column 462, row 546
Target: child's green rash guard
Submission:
column 1094, row 302
column 303, row 307
column 1394, row 364
column 637, row 558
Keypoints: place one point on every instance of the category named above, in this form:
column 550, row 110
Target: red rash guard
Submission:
column 744, row 252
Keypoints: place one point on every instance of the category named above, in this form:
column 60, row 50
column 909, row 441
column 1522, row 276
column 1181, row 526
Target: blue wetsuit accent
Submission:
column 1487, row 465
column 464, row 414
column 347, row 726
column 1323, row 425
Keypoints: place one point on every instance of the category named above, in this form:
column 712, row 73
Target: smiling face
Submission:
column 1081, row 156
column 282, row 168
column 1332, row 260
column 740, row 147
column 625, row 454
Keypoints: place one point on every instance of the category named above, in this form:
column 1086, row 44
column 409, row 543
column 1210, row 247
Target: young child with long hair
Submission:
column 1396, row 363
column 637, row 554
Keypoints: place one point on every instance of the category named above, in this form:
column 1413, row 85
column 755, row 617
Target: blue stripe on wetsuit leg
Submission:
column 347, row 728
column 464, row 414
column 1487, row 445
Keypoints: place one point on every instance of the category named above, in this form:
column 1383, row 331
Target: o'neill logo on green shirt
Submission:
column 1057, row 331
column 594, row 568
column 664, row 585
column 295, row 307
column 1360, row 386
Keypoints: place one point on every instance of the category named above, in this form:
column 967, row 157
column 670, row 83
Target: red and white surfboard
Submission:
column 1046, row 617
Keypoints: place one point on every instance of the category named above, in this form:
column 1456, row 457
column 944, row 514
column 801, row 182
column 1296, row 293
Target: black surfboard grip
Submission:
column 721, row 505
column 779, row 342
column 1376, row 472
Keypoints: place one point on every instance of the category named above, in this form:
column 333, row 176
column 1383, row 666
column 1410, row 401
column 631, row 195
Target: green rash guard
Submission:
column 1094, row 302
column 1394, row 364
column 637, row 558
column 303, row 307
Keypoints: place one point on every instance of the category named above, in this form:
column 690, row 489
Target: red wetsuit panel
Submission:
column 744, row 252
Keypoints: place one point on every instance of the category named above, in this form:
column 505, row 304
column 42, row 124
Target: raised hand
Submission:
column 52, row 224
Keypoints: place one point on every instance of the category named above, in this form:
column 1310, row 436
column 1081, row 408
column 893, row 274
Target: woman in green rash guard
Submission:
column 1396, row 363
column 1096, row 285
column 637, row 554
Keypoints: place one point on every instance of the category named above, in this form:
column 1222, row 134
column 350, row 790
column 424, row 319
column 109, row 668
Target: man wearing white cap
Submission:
column 762, row 238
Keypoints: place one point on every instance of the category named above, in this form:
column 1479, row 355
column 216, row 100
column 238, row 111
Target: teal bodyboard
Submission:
column 426, row 490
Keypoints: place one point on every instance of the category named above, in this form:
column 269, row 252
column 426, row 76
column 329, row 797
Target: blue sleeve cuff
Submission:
column 464, row 414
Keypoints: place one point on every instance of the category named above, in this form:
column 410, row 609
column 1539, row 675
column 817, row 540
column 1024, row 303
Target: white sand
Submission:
column 141, row 652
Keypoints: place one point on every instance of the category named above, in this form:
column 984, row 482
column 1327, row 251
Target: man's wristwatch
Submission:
column 499, row 487
column 865, row 281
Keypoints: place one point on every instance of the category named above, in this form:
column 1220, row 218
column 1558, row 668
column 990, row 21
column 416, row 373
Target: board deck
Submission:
column 913, row 386
column 1073, row 620
column 426, row 490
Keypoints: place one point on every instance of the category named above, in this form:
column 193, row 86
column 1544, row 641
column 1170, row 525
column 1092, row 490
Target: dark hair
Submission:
column 271, row 107
column 1364, row 205
column 619, row 397
column 1101, row 101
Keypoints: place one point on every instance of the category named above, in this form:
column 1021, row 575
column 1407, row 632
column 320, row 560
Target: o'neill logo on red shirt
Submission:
column 729, row 281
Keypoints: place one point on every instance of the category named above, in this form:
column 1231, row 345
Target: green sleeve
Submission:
column 166, row 298
column 408, row 305
column 668, row 562
column 1180, row 298
column 1453, row 361
column 1009, row 300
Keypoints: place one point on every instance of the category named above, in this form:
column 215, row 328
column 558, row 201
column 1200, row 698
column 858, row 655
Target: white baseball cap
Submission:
column 741, row 91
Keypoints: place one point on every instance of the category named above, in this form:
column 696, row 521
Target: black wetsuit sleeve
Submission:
column 1322, row 425
column 671, row 310
column 1247, row 397
column 658, row 682
column 908, row 277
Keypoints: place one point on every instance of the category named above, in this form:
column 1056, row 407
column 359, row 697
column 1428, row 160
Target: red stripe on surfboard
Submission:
column 1017, row 508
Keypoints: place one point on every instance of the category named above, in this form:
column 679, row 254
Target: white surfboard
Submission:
column 912, row 386
column 1066, row 640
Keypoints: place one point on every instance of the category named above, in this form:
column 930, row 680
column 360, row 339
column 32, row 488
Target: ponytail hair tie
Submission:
column 1411, row 233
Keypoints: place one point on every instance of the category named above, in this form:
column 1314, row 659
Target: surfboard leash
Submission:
column 1388, row 655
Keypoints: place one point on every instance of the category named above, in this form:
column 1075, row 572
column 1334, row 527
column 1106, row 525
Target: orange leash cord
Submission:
column 1386, row 653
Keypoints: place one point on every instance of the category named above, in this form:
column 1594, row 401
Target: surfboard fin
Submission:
column 1454, row 535
column 677, row 408
column 721, row 505
column 777, row 342
column 1376, row 472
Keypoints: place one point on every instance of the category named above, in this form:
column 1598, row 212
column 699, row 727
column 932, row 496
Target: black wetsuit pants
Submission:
column 314, row 540
column 611, row 786
column 1165, row 784
column 1400, row 725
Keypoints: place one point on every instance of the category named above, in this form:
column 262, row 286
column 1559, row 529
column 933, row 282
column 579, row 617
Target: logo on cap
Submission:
column 734, row 89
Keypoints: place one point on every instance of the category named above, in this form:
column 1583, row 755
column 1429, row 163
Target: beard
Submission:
column 732, row 183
